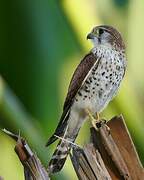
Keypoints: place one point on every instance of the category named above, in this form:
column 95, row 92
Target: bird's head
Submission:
column 107, row 36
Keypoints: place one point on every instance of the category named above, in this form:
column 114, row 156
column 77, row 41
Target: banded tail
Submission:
column 68, row 129
column 59, row 156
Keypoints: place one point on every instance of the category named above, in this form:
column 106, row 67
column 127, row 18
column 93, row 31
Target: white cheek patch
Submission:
column 105, row 38
column 95, row 41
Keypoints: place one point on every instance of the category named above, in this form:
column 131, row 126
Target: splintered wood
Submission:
column 110, row 155
column 88, row 164
column 33, row 169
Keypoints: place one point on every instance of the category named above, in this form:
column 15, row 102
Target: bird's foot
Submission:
column 100, row 123
column 103, row 123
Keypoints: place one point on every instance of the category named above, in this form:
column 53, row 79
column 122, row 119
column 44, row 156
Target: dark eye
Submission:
column 101, row 31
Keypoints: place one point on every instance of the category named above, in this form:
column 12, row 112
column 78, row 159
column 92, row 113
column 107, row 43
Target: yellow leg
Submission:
column 97, row 117
column 93, row 120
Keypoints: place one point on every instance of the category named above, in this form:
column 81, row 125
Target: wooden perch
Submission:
column 33, row 169
column 111, row 155
column 88, row 164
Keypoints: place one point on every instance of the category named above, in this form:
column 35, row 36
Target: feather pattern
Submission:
column 95, row 82
column 78, row 77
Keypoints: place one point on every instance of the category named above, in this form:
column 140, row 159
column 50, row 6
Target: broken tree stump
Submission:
column 33, row 168
column 110, row 155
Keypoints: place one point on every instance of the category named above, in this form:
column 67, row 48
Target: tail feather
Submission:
column 60, row 128
column 51, row 140
column 59, row 156
column 68, row 131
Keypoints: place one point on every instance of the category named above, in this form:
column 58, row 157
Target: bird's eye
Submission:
column 101, row 31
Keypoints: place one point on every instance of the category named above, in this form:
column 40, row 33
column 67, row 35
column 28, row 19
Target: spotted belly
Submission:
column 100, row 86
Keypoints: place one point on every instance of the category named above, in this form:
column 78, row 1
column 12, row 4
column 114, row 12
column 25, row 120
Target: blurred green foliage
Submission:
column 41, row 44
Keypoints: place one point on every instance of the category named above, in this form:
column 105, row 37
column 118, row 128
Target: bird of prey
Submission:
column 95, row 82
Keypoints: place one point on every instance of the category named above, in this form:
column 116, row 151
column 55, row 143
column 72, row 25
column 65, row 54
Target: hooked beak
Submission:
column 90, row 36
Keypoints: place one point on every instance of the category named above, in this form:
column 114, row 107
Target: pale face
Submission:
column 106, row 36
column 99, row 36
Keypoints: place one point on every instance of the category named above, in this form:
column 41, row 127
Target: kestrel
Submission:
column 95, row 82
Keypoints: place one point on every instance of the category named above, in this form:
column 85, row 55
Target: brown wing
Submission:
column 78, row 77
